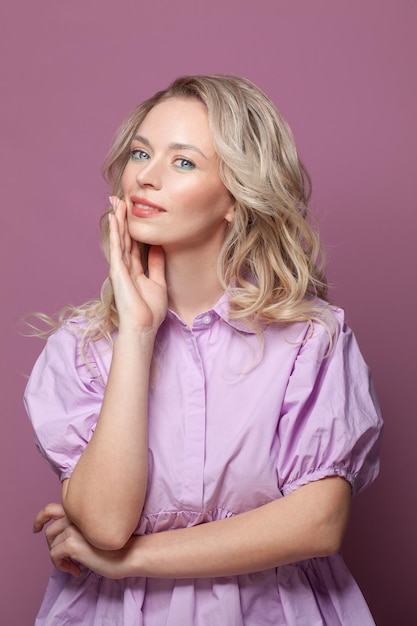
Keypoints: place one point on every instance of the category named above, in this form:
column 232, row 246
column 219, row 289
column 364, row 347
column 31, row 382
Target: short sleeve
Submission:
column 63, row 399
column 330, row 423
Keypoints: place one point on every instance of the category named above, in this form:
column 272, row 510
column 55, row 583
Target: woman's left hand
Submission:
column 68, row 548
column 55, row 513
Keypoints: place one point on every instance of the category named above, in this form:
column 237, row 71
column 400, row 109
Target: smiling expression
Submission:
column 171, row 184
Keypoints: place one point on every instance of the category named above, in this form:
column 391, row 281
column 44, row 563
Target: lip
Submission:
column 146, row 208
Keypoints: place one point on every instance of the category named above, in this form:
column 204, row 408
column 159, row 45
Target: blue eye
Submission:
column 184, row 164
column 139, row 155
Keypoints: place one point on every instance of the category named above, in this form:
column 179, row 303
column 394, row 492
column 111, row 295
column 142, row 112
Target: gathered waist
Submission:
column 172, row 520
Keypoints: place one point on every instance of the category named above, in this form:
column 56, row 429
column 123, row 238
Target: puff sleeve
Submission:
column 63, row 399
column 330, row 424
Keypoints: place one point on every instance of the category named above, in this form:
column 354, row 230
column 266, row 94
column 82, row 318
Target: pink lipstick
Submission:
column 141, row 207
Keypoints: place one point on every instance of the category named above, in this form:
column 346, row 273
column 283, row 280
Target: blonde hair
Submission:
column 271, row 259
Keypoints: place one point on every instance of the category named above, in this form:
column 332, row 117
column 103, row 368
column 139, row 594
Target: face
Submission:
column 174, row 195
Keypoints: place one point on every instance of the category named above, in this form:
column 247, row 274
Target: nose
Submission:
column 149, row 175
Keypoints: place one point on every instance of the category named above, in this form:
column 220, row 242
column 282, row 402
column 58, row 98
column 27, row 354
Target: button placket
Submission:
column 195, row 425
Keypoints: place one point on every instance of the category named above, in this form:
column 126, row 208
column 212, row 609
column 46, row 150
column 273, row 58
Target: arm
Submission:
column 309, row 522
column 105, row 494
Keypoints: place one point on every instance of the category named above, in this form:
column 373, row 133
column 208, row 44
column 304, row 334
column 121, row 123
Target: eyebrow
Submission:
column 172, row 146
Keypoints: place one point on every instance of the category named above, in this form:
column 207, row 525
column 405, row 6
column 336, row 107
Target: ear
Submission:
column 230, row 215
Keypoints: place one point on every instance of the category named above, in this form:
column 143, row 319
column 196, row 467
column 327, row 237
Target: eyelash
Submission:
column 133, row 154
column 190, row 165
column 140, row 155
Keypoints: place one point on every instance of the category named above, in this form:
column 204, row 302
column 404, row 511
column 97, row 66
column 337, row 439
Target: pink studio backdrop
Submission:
column 344, row 75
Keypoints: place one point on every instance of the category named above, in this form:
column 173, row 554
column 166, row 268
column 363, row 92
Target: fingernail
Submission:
column 114, row 202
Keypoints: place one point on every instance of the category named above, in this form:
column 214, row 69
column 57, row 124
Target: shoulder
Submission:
column 320, row 331
column 69, row 350
column 325, row 330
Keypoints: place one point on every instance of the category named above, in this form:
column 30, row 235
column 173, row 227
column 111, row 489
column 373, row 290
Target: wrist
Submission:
column 134, row 557
column 143, row 338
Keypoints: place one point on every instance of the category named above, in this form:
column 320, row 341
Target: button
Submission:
column 206, row 319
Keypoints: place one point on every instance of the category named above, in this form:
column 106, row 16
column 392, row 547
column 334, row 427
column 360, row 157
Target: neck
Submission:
column 193, row 283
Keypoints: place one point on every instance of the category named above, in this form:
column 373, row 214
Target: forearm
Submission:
column 308, row 523
column 104, row 496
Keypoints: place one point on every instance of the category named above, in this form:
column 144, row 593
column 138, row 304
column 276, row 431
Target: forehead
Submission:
column 178, row 120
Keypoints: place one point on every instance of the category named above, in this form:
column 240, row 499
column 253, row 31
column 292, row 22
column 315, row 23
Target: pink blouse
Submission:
column 231, row 427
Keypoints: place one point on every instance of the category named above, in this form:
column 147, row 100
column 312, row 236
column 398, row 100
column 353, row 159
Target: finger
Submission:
column 114, row 240
column 55, row 529
column 66, row 565
column 156, row 265
column 62, row 550
column 115, row 228
column 135, row 259
column 114, row 201
column 120, row 212
column 127, row 238
column 53, row 510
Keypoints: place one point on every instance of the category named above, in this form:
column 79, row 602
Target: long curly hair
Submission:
column 271, row 261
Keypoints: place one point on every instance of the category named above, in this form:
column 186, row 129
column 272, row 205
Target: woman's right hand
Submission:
column 141, row 299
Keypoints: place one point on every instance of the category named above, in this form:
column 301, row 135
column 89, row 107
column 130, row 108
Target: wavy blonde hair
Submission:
column 271, row 258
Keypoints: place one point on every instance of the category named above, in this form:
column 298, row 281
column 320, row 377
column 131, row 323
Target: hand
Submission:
column 61, row 522
column 141, row 299
column 68, row 548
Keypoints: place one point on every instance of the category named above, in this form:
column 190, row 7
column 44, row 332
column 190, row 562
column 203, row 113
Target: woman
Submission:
column 209, row 416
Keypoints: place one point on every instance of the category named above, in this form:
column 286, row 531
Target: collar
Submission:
column 222, row 309
column 219, row 310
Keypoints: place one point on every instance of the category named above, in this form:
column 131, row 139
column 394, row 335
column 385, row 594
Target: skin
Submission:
column 173, row 166
column 309, row 522
column 105, row 494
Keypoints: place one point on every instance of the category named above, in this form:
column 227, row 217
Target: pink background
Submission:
column 343, row 72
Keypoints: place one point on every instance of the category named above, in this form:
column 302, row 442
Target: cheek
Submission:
column 124, row 181
column 128, row 177
column 213, row 197
column 219, row 201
